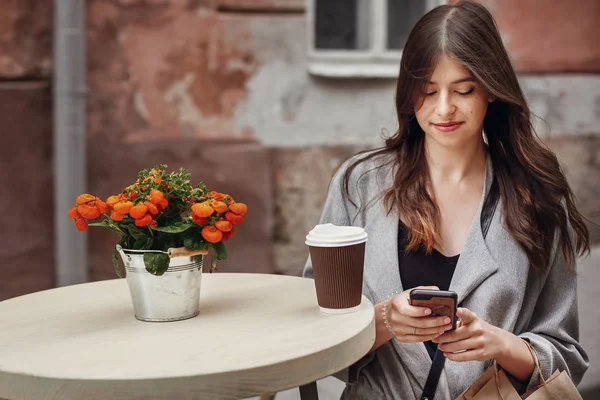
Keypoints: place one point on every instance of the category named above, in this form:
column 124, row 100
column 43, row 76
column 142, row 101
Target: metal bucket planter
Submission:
column 173, row 296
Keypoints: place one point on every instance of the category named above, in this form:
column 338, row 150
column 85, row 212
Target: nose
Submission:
column 445, row 106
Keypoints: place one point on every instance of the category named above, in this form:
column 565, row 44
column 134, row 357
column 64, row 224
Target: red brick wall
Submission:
column 261, row 5
column 164, row 91
column 25, row 39
column 550, row 36
column 26, row 198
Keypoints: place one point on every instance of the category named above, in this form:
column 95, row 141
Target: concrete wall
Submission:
column 221, row 87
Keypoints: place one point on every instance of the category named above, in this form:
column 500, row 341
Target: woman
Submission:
column 463, row 197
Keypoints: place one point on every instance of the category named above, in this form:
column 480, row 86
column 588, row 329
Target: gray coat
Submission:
column 492, row 278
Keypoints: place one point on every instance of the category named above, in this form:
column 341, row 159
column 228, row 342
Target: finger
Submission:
column 461, row 345
column 466, row 316
column 415, row 338
column 457, row 334
column 415, row 331
column 402, row 305
column 414, row 311
column 469, row 355
column 424, row 322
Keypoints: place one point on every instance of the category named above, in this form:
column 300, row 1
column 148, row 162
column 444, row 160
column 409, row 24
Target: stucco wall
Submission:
column 195, row 81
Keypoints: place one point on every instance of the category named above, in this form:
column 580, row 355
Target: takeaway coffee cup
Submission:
column 337, row 254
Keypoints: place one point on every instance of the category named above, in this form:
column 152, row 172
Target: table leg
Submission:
column 309, row 391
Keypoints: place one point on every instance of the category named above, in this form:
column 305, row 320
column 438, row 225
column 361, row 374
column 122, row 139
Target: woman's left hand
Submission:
column 474, row 339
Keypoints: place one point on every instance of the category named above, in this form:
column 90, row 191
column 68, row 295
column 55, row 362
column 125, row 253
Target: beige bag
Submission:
column 558, row 387
column 493, row 384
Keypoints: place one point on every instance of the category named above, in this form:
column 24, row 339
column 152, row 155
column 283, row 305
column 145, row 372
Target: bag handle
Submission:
column 497, row 379
column 536, row 360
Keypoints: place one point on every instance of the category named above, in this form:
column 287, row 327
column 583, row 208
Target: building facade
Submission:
column 248, row 95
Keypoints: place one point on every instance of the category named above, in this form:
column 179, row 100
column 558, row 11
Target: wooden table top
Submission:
column 256, row 333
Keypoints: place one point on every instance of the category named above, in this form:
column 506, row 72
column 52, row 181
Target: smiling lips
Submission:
column 447, row 126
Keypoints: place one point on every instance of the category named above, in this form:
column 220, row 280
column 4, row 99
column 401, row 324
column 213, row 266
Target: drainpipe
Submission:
column 69, row 90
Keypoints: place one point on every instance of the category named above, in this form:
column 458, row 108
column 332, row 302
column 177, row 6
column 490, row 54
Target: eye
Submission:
column 468, row 92
column 429, row 94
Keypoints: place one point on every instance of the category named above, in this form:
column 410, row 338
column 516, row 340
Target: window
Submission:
column 354, row 38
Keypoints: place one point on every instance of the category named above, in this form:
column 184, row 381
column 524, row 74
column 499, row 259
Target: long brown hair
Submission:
column 538, row 204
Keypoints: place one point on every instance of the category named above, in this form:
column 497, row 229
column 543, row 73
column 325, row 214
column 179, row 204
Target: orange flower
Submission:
column 115, row 215
column 84, row 199
column 212, row 234
column 145, row 220
column 102, row 206
column 202, row 209
column 73, row 213
column 138, row 211
column 228, row 235
column 155, row 196
column 238, row 208
column 162, row 204
column 123, row 207
column 81, row 224
column 223, row 226
column 234, row 218
column 199, row 220
column 88, row 212
column 151, row 208
column 219, row 206
column 216, row 195
column 112, row 200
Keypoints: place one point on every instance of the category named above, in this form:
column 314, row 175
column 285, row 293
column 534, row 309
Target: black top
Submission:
column 420, row 269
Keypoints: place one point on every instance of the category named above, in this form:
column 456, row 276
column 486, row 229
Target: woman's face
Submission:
column 452, row 109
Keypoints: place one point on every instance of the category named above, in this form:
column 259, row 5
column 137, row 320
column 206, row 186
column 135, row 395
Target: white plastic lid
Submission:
column 329, row 235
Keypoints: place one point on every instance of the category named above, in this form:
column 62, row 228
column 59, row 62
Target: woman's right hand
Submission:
column 413, row 324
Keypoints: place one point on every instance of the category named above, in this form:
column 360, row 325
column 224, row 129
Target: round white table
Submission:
column 255, row 334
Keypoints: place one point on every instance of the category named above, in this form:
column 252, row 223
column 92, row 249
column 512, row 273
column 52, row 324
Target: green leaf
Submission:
column 115, row 260
column 164, row 242
column 194, row 243
column 220, row 251
column 156, row 263
column 174, row 228
column 136, row 232
column 143, row 244
column 108, row 225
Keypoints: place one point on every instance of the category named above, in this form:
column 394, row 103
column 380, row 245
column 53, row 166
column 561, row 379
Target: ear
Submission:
column 491, row 99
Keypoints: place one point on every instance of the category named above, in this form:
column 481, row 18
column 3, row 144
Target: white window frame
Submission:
column 374, row 62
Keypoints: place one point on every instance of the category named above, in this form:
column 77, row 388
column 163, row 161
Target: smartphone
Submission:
column 441, row 302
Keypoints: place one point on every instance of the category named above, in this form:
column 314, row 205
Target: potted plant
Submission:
column 166, row 226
